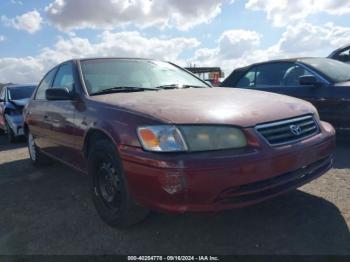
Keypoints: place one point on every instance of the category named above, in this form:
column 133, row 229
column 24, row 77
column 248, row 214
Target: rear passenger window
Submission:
column 44, row 85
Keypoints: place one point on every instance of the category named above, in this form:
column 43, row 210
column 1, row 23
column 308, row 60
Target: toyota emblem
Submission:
column 295, row 129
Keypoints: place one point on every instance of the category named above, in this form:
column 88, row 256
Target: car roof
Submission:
column 22, row 85
column 295, row 59
column 238, row 72
column 107, row 58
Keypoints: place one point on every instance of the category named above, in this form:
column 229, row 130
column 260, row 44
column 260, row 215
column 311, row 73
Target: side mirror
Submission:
column 308, row 80
column 58, row 94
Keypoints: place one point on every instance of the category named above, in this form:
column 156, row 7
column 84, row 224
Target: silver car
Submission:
column 12, row 101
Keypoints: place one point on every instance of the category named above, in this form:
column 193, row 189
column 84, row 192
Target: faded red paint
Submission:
column 211, row 180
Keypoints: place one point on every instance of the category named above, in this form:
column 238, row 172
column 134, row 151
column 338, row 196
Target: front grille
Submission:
column 288, row 131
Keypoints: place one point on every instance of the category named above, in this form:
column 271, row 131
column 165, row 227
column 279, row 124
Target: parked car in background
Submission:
column 152, row 136
column 12, row 101
column 322, row 81
column 342, row 54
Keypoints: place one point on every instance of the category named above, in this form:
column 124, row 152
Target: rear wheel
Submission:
column 36, row 156
column 109, row 188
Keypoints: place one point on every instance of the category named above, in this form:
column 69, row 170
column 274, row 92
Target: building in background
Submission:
column 210, row 74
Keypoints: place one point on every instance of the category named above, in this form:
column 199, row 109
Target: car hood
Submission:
column 20, row 102
column 231, row 106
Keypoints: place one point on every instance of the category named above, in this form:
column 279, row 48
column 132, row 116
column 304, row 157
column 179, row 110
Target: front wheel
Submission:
column 36, row 156
column 10, row 134
column 109, row 188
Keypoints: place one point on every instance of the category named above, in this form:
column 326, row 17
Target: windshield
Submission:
column 334, row 70
column 17, row 93
column 104, row 74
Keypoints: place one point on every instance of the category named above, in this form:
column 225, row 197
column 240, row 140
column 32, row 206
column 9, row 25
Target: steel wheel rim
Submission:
column 31, row 146
column 109, row 186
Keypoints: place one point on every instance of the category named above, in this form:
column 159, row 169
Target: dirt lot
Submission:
column 48, row 211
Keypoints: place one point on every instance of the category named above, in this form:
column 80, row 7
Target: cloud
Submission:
column 109, row 14
column 233, row 45
column 283, row 12
column 2, row 38
column 16, row 2
column 307, row 39
column 30, row 22
column 121, row 44
column 237, row 48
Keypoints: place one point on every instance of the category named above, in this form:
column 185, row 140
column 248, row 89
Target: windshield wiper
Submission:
column 118, row 89
column 178, row 86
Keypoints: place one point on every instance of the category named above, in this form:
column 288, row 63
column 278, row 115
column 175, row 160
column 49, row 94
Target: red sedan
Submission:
column 150, row 135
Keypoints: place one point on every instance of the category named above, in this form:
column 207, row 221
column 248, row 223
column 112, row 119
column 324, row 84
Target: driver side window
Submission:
column 64, row 77
column 248, row 80
column 44, row 85
column 292, row 75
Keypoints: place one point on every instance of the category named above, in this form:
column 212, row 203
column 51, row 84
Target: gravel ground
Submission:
column 48, row 211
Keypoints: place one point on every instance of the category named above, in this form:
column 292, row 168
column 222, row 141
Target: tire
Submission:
column 10, row 134
column 109, row 189
column 36, row 156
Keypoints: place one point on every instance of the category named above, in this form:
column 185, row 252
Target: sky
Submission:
column 37, row 35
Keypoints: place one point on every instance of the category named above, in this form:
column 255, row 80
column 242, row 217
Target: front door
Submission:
column 39, row 127
column 2, row 108
column 61, row 115
column 320, row 96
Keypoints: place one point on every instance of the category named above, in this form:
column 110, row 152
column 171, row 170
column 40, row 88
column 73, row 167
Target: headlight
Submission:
column 161, row 138
column 190, row 138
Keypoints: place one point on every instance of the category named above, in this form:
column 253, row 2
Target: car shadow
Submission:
column 5, row 145
column 49, row 211
column 342, row 152
column 297, row 223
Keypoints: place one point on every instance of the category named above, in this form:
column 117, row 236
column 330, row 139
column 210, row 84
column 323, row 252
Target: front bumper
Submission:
column 16, row 124
column 228, row 179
